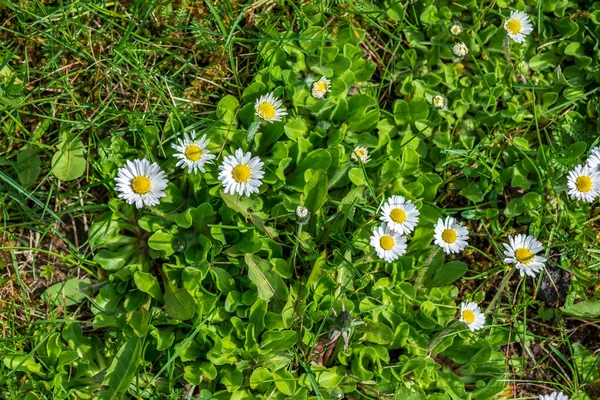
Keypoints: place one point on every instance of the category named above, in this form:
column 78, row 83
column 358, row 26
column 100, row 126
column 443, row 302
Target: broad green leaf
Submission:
column 584, row 309
column 315, row 191
column 164, row 337
column 28, row 165
column 121, row 370
column 261, row 379
column 224, row 281
column 162, row 241
column 231, row 377
column 448, row 273
column 179, row 304
column 332, row 377
column 69, row 292
column 268, row 282
column 24, row 363
column 544, row 60
column 148, row 283
column 376, row 332
column 139, row 321
column 68, row 162
column 285, row 381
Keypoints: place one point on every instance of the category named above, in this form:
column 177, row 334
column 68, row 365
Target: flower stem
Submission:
column 421, row 275
column 339, row 174
column 252, row 131
column 500, row 290
column 162, row 214
column 507, row 49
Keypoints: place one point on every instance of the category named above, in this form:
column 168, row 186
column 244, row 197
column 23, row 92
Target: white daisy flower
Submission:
column 361, row 153
column 593, row 161
column 192, row 152
column 471, row 315
column 584, row 183
column 439, row 102
column 518, row 26
column 388, row 244
column 521, row 251
column 302, row 215
column 460, row 49
column 450, row 235
column 456, row 29
column 241, row 174
column 554, row 396
column 400, row 215
column 269, row 108
column 321, row 87
column 141, row 183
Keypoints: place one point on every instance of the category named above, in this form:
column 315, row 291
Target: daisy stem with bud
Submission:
column 507, row 49
column 440, row 337
column 252, row 131
column 500, row 290
column 162, row 214
column 339, row 174
column 421, row 275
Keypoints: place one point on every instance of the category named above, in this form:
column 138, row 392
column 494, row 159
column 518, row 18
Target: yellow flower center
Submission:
column 193, row 152
column 321, row 86
column 514, row 26
column 141, row 184
column 398, row 215
column 449, row 236
column 266, row 111
column 386, row 242
column 468, row 316
column 241, row 173
column 584, row 184
column 360, row 154
column 523, row 255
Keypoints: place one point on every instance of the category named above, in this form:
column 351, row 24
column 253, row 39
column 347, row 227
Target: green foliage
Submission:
column 222, row 296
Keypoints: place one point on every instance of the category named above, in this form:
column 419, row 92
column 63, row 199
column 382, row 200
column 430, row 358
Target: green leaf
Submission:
column 224, row 281
column 278, row 341
column 295, row 128
column 148, row 283
column 179, row 303
column 198, row 372
column 545, row 60
column 261, row 379
column 28, row 165
column 587, row 364
column 448, row 273
column 332, row 377
column 231, row 377
column 376, row 332
column 285, row 381
column 112, row 261
column 315, row 191
column 584, row 309
column 226, row 109
column 268, row 282
column 164, row 337
column 317, row 159
column 68, row 162
column 162, row 241
column 121, row 370
column 139, row 321
column 69, row 292
column 24, row 363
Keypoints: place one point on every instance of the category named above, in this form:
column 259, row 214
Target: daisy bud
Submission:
column 456, row 29
column 302, row 215
column 460, row 49
column 439, row 102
